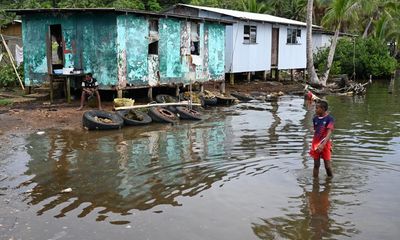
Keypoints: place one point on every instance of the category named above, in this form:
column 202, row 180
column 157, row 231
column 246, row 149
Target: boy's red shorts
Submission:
column 324, row 154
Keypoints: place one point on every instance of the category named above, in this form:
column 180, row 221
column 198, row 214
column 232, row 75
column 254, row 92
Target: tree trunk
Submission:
column 309, row 46
column 365, row 34
column 331, row 54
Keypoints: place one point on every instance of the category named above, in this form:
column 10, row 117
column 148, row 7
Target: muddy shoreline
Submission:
column 25, row 118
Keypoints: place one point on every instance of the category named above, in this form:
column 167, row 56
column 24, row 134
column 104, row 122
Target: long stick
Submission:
column 12, row 61
column 183, row 103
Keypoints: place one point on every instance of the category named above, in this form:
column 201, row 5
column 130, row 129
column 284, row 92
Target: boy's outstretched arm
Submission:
column 326, row 139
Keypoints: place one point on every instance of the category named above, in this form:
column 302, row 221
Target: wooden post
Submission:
column 51, row 88
column 12, row 61
column 248, row 76
column 276, row 75
column 291, row 75
column 150, row 94
column 265, row 75
column 68, row 89
column 232, row 78
column 119, row 93
column 222, row 87
column 201, row 87
column 177, row 91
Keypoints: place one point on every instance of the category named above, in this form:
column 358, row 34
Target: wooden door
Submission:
column 275, row 47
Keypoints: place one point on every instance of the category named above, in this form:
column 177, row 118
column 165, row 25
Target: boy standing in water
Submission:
column 321, row 143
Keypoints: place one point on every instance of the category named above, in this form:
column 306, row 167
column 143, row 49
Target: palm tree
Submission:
column 339, row 12
column 254, row 6
column 310, row 60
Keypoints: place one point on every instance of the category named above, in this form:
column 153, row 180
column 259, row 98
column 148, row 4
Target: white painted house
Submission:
column 256, row 42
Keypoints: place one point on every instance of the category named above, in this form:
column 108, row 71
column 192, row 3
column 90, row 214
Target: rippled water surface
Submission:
column 241, row 173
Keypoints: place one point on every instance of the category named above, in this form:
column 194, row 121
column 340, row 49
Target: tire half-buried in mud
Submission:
column 159, row 114
column 165, row 98
column 209, row 101
column 101, row 120
column 142, row 118
column 188, row 114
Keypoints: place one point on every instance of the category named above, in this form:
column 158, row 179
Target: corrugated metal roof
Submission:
column 111, row 10
column 249, row 15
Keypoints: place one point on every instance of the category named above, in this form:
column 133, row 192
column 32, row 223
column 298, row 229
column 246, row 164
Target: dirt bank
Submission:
column 35, row 116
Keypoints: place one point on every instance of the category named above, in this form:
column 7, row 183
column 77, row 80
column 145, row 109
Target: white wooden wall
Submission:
column 248, row 57
column 321, row 40
column 241, row 57
column 291, row 56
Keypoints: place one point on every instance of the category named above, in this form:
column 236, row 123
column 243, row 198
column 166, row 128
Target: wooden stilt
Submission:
column 222, row 87
column 232, row 78
column 291, row 75
column 150, row 94
column 68, row 89
column 177, row 91
column 51, row 88
column 265, row 75
column 276, row 75
column 248, row 76
column 119, row 93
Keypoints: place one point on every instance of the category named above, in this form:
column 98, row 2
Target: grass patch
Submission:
column 5, row 102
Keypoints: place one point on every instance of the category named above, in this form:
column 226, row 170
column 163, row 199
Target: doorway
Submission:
column 274, row 47
column 55, row 47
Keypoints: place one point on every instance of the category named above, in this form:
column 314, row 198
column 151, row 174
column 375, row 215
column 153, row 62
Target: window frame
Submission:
column 250, row 36
column 293, row 36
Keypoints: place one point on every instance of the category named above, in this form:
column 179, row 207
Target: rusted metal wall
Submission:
column 169, row 50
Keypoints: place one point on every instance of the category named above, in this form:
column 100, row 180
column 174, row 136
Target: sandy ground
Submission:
column 36, row 116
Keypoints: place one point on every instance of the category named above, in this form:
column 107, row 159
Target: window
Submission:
column 153, row 37
column 250, row 34
column 293, row 36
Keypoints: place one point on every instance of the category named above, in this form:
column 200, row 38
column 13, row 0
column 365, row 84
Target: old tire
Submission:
column 90, row 122
column 209, row 101
column 159, row 114
column 188, row 114
column 242, row 97
column 165, row 98
column 146, row 119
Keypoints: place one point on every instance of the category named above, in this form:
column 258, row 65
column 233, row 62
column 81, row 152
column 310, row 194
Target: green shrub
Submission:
column 371, row 58
column 5, row 102
column 8, row 77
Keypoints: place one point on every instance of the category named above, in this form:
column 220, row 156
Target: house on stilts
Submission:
column 123, row 49
column 256, row 42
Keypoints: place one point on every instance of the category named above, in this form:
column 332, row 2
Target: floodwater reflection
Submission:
column 121, row 172
column 241, row 173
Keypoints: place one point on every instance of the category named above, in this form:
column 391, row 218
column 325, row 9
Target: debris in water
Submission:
column 67, row 190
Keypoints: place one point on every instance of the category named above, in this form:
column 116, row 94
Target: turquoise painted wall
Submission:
column 89, row 44
column 132, row 42
column 169, row 50
column 96, row 38
column 115, row 48
column 216, row 51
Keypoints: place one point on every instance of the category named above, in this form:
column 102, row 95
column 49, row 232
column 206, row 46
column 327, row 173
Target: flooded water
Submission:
column 241, row 173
